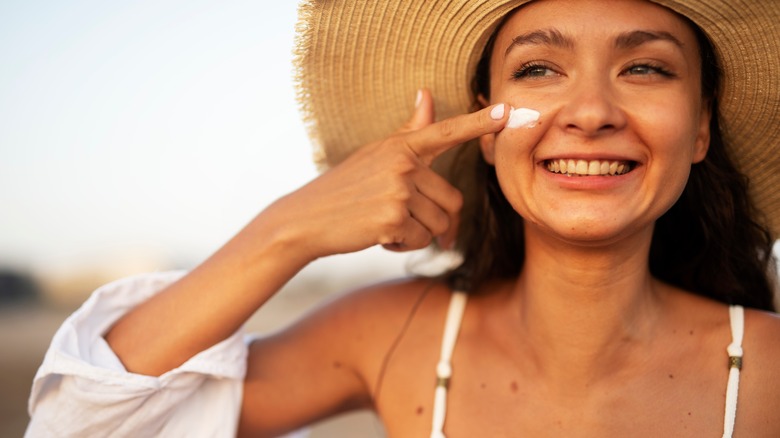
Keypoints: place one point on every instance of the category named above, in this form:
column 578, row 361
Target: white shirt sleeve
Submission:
column 83, row 390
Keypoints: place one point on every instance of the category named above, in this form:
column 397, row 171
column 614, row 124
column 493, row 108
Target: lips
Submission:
column 572, row 167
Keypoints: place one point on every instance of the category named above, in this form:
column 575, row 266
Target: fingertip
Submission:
column 446, row 240
column 426, row 102
column 423, row 110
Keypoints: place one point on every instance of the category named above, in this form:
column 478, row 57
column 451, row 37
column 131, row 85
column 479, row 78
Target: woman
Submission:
column 582, row 319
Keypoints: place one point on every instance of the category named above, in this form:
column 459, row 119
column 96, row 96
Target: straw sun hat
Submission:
column 360, row 62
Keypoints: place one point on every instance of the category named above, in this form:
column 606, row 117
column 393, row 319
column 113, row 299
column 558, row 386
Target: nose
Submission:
column 591, row 109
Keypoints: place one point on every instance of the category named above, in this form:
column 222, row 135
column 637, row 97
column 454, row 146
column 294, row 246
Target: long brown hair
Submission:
column 713, row 241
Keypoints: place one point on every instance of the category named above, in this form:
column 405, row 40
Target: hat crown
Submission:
column 359, row 64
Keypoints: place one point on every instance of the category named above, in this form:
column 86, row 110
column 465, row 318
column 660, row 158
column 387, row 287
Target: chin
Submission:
column 593, row 232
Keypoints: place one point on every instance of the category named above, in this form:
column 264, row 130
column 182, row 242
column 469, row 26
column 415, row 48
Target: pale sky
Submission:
column 142, row 127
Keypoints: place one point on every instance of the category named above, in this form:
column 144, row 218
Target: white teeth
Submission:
column 583, row 168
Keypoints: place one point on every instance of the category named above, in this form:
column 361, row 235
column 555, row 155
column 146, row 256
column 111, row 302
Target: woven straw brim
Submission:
column 359, row 64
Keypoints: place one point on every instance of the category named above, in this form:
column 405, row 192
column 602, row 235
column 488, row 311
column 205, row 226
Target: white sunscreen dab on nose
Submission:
column 522, row 118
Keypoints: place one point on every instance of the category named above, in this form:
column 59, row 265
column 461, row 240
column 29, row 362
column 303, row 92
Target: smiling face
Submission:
column 622, row 115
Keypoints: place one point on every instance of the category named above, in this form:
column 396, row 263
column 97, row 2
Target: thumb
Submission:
column 423, row 114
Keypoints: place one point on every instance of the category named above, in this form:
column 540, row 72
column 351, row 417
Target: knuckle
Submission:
column 441, row 224
column 421, row 242
column 405, row 127
column 394, row 216
column 403, row 196
column 455, row 200
column 484, row 122
column 397, row 190
column 401, row 164
column 447, row 128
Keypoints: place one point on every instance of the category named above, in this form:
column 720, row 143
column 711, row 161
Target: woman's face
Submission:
column 618, row 88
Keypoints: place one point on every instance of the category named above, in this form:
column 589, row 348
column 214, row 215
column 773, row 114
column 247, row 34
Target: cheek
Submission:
column 515, row 147
column 672, row 117
column 514, row 161
column 670, row 139
column 669, row 133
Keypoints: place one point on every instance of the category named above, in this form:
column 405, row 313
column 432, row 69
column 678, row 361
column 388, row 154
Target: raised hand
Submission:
column 386, row 193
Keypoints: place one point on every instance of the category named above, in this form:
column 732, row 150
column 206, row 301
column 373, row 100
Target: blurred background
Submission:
column 135, row 137
column 139, row 136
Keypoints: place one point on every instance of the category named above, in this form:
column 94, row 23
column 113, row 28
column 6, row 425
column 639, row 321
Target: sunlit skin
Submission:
column 584, row 343
column 627, row 89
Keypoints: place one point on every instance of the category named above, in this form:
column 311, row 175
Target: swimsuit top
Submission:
column 452, row 326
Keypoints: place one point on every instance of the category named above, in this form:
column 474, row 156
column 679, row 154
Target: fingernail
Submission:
column 418, row 99
column 522, row 117
column 497, row 113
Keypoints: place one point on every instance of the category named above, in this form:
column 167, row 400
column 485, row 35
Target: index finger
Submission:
column 437, row 138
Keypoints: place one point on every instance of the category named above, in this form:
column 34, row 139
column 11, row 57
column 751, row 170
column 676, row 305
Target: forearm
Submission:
column 213, row 301
column 385, row 193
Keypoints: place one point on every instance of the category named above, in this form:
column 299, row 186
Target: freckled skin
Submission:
column 584, row 331
column 660, row 123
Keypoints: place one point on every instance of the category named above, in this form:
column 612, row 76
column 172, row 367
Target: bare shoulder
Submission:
column 760, row 383
column 364, row 323
column 762, row 345
column 384, row 305
column 329, row 360
column 766, row 325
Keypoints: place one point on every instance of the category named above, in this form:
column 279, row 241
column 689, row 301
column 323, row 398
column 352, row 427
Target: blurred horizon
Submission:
column 141, row 136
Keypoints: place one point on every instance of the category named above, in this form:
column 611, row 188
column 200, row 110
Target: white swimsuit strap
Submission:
column 452, row 326
column 737, row 316
column 444, row 367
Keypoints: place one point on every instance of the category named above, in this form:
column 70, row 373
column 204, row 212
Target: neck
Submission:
column 584, row 307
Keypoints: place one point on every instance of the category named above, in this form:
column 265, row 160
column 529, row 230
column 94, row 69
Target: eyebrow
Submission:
column 546, row 37
column 630, row 40
column 626, row 40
